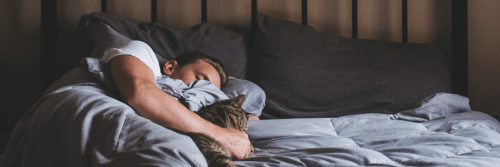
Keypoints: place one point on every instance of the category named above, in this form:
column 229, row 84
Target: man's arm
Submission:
column 136, row 83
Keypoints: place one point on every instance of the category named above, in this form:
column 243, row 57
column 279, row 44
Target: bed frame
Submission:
column 50, row 70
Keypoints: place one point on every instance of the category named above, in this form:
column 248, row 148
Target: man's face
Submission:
column 194, row 71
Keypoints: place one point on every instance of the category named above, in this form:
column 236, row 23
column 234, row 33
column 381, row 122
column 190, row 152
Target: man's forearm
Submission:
column 161, row 108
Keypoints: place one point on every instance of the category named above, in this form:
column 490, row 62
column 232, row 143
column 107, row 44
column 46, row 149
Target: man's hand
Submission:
column 236, row 141
column 239, row 145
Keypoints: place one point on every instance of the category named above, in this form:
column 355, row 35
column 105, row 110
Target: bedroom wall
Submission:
column 429, row 21
column 484, row 55
column 19, row 61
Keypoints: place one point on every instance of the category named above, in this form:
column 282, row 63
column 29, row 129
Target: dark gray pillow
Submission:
column 225, row 44
column 108, row 38
column 306, row 73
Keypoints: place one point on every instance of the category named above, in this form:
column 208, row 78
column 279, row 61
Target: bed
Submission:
column 329, row 100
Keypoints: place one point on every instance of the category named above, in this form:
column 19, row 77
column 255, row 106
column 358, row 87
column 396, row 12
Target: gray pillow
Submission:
column 306, row 73
column 225, row 44
column 255, row 96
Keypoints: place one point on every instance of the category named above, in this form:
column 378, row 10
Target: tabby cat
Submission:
column 224, row 113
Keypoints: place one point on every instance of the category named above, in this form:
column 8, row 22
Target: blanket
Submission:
column 441, row 132
column 85, row 125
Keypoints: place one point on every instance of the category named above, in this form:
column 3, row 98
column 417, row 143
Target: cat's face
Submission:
column 230, row 113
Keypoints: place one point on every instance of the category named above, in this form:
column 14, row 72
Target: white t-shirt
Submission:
column 138, row 49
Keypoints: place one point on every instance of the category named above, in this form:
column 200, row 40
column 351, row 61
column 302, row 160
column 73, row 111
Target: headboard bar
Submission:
column 50, row 70
column 354, row 17
column 459, row 48
column 104, row 6
column 404, row 12
column 254, row 15
column 203, row 11
column 154, row 9
column 304, row 12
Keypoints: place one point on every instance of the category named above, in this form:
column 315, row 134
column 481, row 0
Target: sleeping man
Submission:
column 134, row 69
column 197, row 93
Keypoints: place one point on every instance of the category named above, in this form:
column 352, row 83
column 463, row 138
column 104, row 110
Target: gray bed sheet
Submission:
column 85, row 125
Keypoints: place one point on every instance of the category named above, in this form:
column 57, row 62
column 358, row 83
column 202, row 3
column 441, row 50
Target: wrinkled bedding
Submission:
column 84, row 125
column 442, row 132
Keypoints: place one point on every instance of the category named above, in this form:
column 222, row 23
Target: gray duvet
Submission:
column 84, row 125
column 442, row 132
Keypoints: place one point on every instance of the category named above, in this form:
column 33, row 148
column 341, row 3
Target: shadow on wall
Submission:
column 442, row 25
column 69, row 13
column 429, row 21
column 19, row 62
column 385, row 20
column 66, row 30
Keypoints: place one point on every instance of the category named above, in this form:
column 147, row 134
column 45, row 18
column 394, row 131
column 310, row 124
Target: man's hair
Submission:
column 193, row 56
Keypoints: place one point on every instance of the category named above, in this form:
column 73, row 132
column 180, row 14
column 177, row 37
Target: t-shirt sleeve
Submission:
column 138, row 49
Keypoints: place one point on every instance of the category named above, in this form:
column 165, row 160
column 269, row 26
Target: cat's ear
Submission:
column 238, row 101
column 250, row 115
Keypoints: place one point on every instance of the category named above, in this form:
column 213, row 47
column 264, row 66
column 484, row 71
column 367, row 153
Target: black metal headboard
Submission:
column 50, row 71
